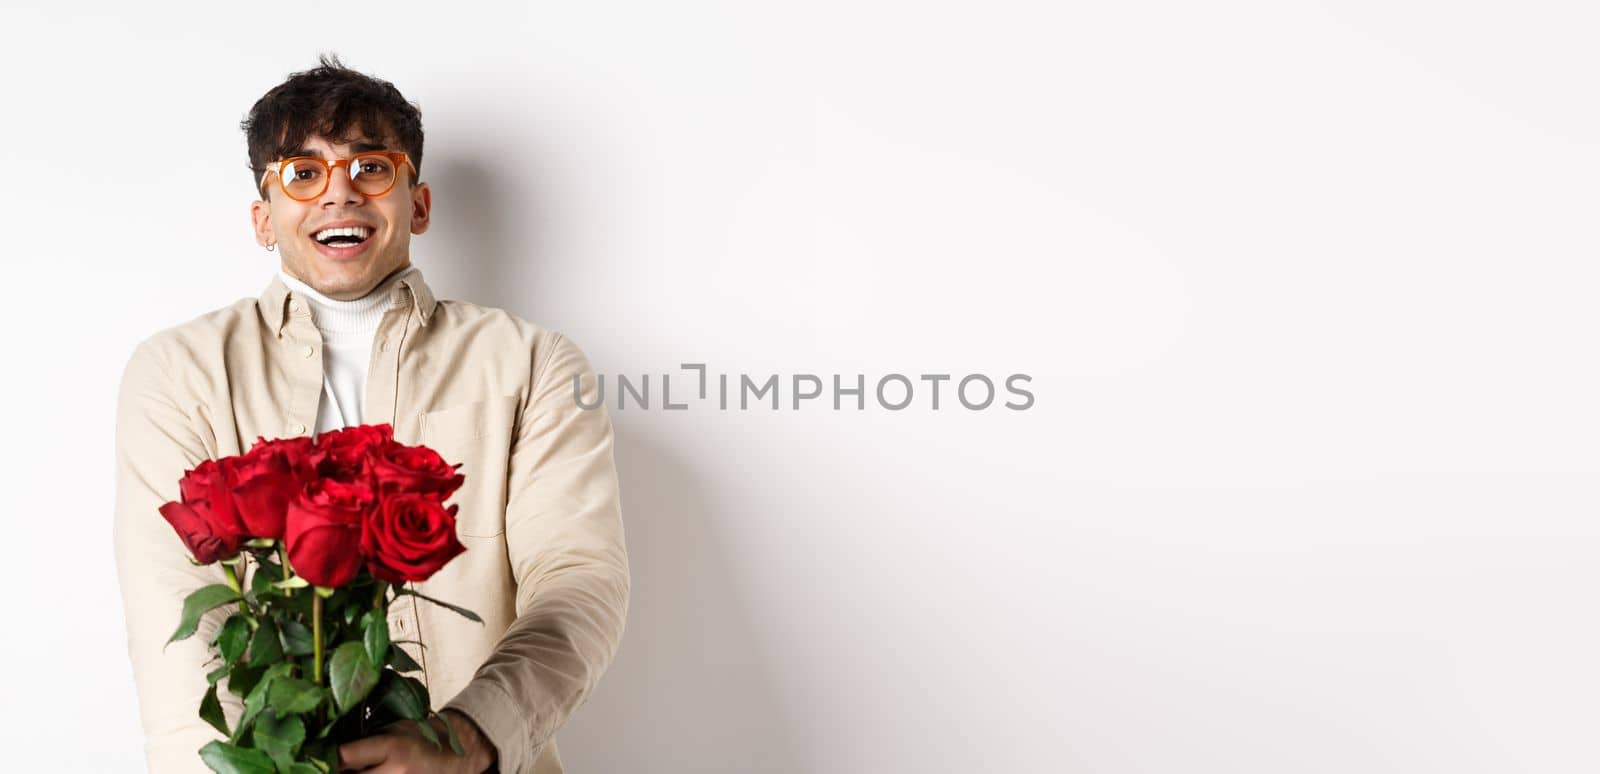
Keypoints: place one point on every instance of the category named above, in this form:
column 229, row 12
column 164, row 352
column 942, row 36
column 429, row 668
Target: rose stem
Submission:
column 316, row 637
column 233, row 582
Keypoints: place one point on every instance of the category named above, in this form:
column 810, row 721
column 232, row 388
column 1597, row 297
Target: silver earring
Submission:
column 272, row 247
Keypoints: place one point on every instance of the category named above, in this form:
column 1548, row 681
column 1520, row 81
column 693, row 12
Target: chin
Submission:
column 348, row 278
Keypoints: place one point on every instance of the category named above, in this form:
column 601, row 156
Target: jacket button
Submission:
column 297, row 429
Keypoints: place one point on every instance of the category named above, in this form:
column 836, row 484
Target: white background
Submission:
column 1306, row 291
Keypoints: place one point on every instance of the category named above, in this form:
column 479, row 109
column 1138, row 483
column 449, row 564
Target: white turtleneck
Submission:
column 347, row 328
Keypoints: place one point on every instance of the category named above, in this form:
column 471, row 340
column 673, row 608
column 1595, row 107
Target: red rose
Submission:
column 342, row 454
column 399, row 468
column 211, row 482
column 195, row 529
column 206, row 519
column 409, row 537
column 267, row 478
column 323, row 528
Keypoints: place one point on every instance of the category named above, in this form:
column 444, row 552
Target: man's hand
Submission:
column 400, row 749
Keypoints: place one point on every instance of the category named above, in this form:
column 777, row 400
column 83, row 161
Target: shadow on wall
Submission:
column 488, row 238
column 689, row 690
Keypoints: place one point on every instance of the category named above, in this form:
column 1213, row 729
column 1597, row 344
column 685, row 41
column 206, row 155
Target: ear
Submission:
column 261, row 221
column 421, row 207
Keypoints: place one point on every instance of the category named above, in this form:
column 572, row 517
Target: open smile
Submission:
column 343, row 241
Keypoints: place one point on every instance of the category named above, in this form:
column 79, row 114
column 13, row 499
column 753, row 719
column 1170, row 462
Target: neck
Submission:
column 404, row 267
column 357, row 315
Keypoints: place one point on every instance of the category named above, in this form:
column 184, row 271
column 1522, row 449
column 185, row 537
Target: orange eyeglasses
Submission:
column 304, row 178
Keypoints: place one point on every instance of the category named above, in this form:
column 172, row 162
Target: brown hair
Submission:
column 332, row 101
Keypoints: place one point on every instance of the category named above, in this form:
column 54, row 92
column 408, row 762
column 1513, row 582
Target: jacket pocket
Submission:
column 478, row 436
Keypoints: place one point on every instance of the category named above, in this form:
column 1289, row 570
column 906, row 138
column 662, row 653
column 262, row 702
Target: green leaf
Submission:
column 376, row 636
column 296, row 582
column 351, row 675
column 243, row 678
column 401, row 660
column 279, row 735
column 429, row 734
column 468, row 614
column 211, row 711
column 406, row 697
column 265, row 647
column 217, row 674
column 262, row 581
column 305, row 768
column 298, row 637
column 455, row 741
column 269, row 569
column 253, row 704
column 225, row 758
column 256, row 700
column 292, row 696
column 231, row 638
column 261, row 542
column 198, row 604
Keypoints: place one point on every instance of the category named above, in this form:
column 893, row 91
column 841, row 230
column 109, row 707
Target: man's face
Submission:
column 335, row 267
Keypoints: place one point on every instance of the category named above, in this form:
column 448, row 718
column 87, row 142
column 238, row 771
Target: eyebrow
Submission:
column 360, row 147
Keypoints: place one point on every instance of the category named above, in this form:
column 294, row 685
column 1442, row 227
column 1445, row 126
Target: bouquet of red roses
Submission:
column 315, row 538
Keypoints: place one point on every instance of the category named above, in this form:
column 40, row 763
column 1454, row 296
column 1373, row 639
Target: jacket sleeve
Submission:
column 155, row 444
column 565, row 540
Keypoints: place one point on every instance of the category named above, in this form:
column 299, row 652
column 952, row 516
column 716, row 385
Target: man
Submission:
column 348, row 333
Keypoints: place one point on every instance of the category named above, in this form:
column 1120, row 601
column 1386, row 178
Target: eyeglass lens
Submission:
column 308, row 178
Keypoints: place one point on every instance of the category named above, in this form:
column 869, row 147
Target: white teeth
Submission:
column 359, row 232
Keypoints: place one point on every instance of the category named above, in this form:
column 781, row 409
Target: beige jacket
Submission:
column 546, row 566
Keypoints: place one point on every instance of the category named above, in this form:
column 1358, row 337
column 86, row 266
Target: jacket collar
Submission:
column 274, row 302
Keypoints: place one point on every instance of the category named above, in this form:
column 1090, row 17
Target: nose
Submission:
column 341, row 189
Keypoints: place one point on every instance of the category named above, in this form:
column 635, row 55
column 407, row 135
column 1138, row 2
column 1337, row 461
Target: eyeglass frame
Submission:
column 395, row 157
